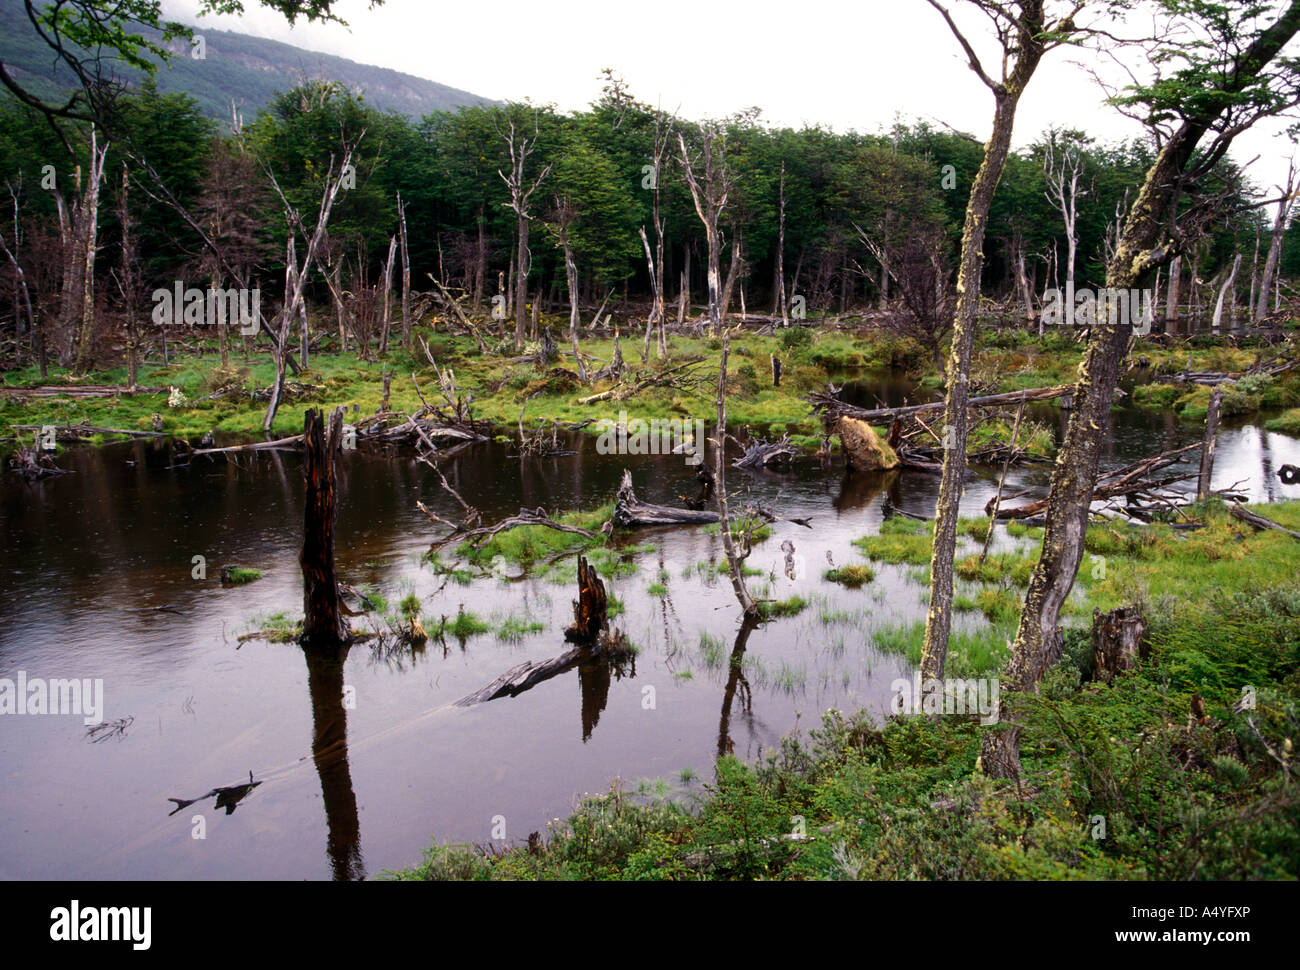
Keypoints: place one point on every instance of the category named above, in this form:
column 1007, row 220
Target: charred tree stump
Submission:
column 776, row 371
column 323, row 624
column 589, row 609
column 1116, row 642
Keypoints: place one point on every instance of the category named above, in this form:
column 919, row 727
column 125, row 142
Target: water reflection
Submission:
column 329, row 749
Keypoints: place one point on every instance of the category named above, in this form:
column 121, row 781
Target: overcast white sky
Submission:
column 850, row 65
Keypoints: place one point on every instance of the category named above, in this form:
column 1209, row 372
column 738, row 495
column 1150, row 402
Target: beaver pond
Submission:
column 292, row 767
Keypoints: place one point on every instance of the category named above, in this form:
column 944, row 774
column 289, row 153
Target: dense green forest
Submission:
column 853, row 203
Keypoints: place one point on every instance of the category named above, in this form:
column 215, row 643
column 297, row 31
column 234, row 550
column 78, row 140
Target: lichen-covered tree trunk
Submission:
column 521, row 283
column 938, row 623
column 88, row 241
column 1143, row 245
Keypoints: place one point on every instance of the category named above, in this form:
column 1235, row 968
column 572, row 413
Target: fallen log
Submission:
column 85, row 390
column 80, row 432
column 630, row 511
column 589, row 632
column 1238, row 511
column 293, row 440
column 833, row 406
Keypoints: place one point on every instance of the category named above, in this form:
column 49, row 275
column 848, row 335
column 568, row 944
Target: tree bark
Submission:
column 323, row 625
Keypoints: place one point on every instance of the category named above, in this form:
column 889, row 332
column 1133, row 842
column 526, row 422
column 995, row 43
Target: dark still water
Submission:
column 96, row 579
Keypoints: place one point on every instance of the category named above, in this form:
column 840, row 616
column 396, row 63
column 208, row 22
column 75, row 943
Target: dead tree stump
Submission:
column 1116, row 641
column 323, row 624
column 589, row 609
column 1207, row 452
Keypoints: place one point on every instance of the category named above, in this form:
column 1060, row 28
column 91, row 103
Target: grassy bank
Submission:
column 1122, row 781
column 1004, row 360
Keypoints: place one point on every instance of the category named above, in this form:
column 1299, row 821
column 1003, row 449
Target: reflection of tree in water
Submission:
column 329, row 750
column 594, row 675
column 736, row 684
column 859, row 489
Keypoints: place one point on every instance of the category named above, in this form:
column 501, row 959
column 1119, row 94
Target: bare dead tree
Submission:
column 655, row 324
column 37, row 335
column 83, row 255
column 1062, row 168
column 1288, row 193
column 406, row 273
column 295, row 278
column 710, row 200
column 521, row 192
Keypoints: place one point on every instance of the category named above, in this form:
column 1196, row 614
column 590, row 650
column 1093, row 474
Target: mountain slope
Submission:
column 246, row 70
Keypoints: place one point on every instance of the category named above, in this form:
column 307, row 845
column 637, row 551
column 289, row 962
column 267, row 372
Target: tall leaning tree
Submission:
column 1025, row 30
column 1238, row 71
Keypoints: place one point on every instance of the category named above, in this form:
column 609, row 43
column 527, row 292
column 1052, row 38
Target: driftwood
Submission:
column 760, row 453
column 1129, row 480
column 31, row 464
column 631, row 511
column 1211, row 378
column 621, row 391
column 1238, row 511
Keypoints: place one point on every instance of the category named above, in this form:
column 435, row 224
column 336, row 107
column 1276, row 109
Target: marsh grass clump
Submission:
column 238, row 575
column 770, row 609
column 901, row 540
column 466, row 625
column 712, row 652
column 854, row 577
column 1007, row 567
column 513, row 629
column 525, row 544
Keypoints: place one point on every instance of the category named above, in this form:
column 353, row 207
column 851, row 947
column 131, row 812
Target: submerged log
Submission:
column 323, row 624
column 1116, row 642
column 589, row 633
column 631, row 511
